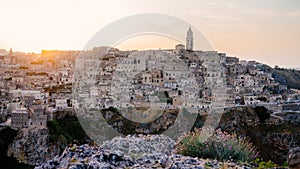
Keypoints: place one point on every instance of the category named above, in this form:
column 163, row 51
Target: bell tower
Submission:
column 189, row 39
column 11, row 57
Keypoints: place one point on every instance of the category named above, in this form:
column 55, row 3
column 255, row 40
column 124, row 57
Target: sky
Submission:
column 267, row 31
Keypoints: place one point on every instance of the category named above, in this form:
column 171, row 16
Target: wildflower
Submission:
column 222, row 145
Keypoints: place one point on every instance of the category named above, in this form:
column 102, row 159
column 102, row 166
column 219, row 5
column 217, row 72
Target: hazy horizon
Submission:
column 121, row 47
column 266, row 31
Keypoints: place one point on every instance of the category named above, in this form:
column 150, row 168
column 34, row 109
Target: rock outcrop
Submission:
column 273, row 135
column 139, row 145
column 292, row 117
column 31, row 146
column 95, row 157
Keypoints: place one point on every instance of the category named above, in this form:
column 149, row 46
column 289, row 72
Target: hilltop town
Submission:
column 35, row 88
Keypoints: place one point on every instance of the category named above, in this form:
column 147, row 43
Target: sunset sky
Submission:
column 263, row 30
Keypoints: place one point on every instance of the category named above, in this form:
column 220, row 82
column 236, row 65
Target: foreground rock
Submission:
column 140, row 145
column 95, row 157
column 31, row 146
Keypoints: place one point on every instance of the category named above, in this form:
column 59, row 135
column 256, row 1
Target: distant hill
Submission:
column 289, row 77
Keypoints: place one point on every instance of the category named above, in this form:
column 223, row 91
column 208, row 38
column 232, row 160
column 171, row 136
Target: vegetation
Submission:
column 289, row 77
column 262, row 113
column 264, row 165
column 73, row 160
column 199, row 122
column 219, row 145
column 131, row 127
column 65, row 130
column 272, row 149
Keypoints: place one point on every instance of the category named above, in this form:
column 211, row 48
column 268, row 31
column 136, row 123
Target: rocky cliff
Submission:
column 273, row 136
column 31, row 146
column 7, row 136
column 291, row 117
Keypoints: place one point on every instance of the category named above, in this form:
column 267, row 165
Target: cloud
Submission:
column 294, row 14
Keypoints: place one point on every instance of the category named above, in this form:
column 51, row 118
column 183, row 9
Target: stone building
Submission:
column 179, row 49
column 244, row 81
column 61, row 103
column 38, row 118
column 250, row 99
column 154, row 78
column 18, row 79
column 232, row 60
column 19, row 118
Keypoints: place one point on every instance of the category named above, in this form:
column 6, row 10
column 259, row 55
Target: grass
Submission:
column 219, row 145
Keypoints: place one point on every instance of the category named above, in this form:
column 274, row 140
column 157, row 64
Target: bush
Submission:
column 65, row 130
column 219, row 145
column 264, row 165
column 262, row 113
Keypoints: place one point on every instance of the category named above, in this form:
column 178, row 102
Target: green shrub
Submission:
column 65, row 130
column 73, row 148
column 262, row 113
column 219, row 145
column 264, row 165
column 73, row 160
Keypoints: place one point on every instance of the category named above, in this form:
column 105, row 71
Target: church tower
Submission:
column 189, row 39
column 11, row 57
